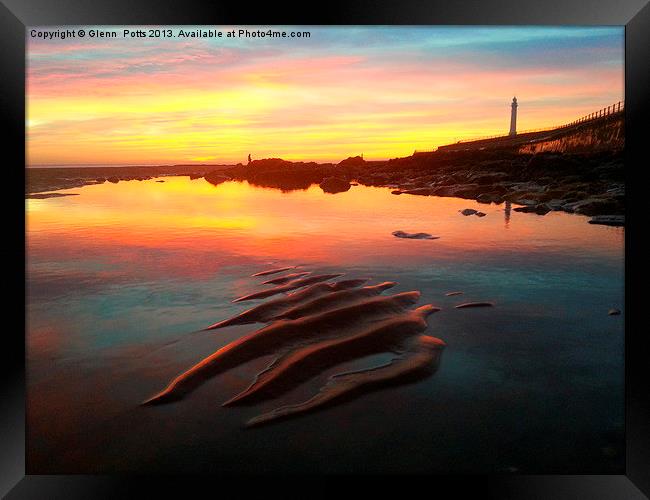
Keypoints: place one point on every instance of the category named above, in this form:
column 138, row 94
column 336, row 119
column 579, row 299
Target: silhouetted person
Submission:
column 249, row 158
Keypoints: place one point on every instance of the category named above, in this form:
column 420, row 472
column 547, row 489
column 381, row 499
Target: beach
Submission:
column 122, row 278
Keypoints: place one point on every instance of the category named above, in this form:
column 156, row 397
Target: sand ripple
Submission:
column 319, row 323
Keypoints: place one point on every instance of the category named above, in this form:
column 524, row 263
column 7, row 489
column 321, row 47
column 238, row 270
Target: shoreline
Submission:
column 590, row 184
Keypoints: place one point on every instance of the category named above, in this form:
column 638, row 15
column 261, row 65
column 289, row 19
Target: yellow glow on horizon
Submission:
column 222, row 127
column 118, row 107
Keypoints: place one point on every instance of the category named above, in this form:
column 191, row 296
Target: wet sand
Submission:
column 324, row 324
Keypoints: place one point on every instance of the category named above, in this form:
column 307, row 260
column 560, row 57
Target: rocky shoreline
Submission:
column 40, row 180
column 590, row 184
column 586, row 184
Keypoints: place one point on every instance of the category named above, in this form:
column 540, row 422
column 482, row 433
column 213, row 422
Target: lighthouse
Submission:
column 513, row 118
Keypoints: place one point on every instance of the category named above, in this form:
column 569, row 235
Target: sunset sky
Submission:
column 380, row 92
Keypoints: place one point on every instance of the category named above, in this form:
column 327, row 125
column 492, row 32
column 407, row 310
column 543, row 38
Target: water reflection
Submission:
column 120, row 276
column 234, row 219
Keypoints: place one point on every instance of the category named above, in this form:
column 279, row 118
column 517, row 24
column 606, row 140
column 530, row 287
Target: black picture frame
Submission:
column 15, row 15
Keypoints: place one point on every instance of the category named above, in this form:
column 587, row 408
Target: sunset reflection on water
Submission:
column 119, row 276
column 235, row 220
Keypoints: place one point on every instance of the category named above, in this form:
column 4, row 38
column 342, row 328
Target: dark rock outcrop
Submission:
column 414, row 236
column 215, row 178
column 352, row 161
column 42, row 196
column 540, row 209
column 608, row 220
column 334, row 185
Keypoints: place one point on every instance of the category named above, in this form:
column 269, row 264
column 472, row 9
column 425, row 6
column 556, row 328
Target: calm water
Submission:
column 120, row 276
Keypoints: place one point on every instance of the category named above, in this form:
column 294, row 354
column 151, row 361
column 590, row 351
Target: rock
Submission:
column 597, row 206
column 616, row 191
column 540, row 209
column 614, row 312
column 489, row 198
column 334, row 185
column 396, row 191
column 114, row 180
column 556, row 204
column 215, row 177
column 352, row 161
column 422, row 191
column 452, row 294
column 42, row 196
column 499, row 189
column 414, row 236
column 377, row 179
column 487, row 178
column 160, row 181
column 548, row 163
column 467, row 191
column 525, row 201
column 471, row 211
column 100, row 180
column 195, row 176
column 470, row 191
column 608, row 220
column 530, row 186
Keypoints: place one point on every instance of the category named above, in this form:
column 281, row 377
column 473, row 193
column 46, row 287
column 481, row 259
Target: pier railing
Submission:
column 596, row 115
column 601, row 113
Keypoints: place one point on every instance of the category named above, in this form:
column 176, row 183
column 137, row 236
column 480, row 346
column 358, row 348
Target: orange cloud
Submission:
column 179, row 101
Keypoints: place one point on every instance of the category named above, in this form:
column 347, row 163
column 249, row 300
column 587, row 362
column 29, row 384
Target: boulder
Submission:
column 608, row 220
column 487, row 178
column 556, row 204
column 540, row 209
column 489, row 198
column 597, row 206
column 215, row 177
column 414, row 236
column 526, row 201
column 334, row 185
column 470, row 191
